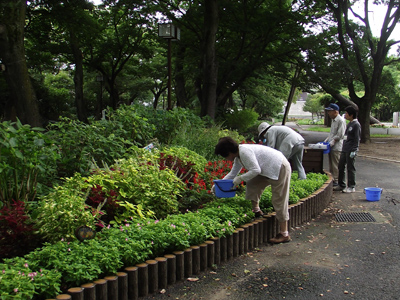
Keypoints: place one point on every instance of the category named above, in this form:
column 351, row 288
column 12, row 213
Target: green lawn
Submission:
column 327, row 129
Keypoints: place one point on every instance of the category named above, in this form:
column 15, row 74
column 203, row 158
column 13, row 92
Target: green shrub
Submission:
column 195, row 163
column 80, row 144
column 298, row 189
column 128, row 122
column 72, row 263
column 62, row 211
column 143, row 182
column 240, row 120
column 203, row 140
column 237, row 205
column 19, row 279
column 171, row 123
column 27, row 162
column 136, row 181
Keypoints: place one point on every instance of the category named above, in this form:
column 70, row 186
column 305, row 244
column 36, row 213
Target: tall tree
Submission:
column 348, row 55
column 23, row 102
column 66, row 39
column 250, row 35
column 128, row 31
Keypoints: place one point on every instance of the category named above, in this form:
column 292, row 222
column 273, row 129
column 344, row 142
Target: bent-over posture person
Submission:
column 265, row 166
column 287, row 141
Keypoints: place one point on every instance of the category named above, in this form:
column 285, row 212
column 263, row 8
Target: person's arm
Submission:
column 250, row 163
column 357, row 134
column 237, row 166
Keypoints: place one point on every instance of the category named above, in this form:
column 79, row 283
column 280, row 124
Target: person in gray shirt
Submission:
column 285, row 140
column 335, row 139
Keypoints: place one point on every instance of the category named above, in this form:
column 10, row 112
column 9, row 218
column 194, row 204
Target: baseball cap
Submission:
column 332, row 106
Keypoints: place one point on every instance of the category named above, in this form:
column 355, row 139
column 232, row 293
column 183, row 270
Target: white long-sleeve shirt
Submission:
column 338, row 127
column 257, row 160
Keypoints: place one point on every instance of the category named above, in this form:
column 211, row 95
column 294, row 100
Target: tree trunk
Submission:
column 180, row 91
column 23, row 103
column 114, row 95
column 291, row 93
column 210, row 68
column 364, row 108
column 78, row 80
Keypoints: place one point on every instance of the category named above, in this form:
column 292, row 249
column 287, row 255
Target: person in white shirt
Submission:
column 335, row 139
column 265, row 166
column 285, row 140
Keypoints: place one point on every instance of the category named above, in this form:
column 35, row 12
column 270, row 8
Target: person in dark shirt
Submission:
column 349, row 152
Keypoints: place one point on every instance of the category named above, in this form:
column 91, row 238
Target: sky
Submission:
column 376, row 16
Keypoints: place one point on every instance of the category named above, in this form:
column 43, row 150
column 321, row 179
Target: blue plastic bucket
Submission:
column 372, row 193
column 224, row 188
column 328, row 147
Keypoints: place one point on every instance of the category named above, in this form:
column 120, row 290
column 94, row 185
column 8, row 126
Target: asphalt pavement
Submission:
column 326, row 258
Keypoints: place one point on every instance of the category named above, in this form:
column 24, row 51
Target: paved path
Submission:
column 326, row 259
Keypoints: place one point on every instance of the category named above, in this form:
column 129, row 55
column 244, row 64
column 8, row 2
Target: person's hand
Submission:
column 332, row 143
column 213, row 190
column 353, row 154
column 236, row 181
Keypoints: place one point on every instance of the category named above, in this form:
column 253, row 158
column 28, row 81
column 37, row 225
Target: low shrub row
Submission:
column 52, row 268
column 67, row 262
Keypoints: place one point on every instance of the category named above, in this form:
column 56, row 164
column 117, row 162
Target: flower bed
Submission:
column 134, row 244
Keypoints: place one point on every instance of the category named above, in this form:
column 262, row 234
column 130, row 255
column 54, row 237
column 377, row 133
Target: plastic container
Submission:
column 224, row 188
column 328, row 147
column 322, row 145
column 372, row 193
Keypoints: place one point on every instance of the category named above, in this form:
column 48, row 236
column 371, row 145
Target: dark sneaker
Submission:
column 280, row 239
column 335, row 183
column 259, row 214
column 339, row 188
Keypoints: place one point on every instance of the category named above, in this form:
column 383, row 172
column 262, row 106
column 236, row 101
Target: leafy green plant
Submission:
column 298, row 189
column 77, row 261
column 240, row 120
column 27, row 162
column 62, row 211
column 202, row 140
column 193, row 161
column 19, row 280
column 82, row 144
column 130, row 211
column 139, row 181
column 171, row 123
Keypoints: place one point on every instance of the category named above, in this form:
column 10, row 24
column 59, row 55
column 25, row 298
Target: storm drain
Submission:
column 354, row 217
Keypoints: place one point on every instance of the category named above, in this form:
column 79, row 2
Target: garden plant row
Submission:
column 155, row 275
column 69, row 262
column 141, row 204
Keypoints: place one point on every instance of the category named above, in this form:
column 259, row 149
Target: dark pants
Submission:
column 346, row 162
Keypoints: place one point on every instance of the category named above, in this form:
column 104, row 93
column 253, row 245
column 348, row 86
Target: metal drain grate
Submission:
column 354, row 217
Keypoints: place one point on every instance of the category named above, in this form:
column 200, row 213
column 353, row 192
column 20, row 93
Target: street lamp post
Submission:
column 169, row 32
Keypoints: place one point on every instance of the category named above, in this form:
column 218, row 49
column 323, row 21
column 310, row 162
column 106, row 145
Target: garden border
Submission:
column 151, row 276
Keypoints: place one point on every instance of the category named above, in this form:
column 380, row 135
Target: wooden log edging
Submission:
column 140, row 280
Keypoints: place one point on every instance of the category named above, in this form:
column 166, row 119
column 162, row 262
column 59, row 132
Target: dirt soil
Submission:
column 385, row 148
